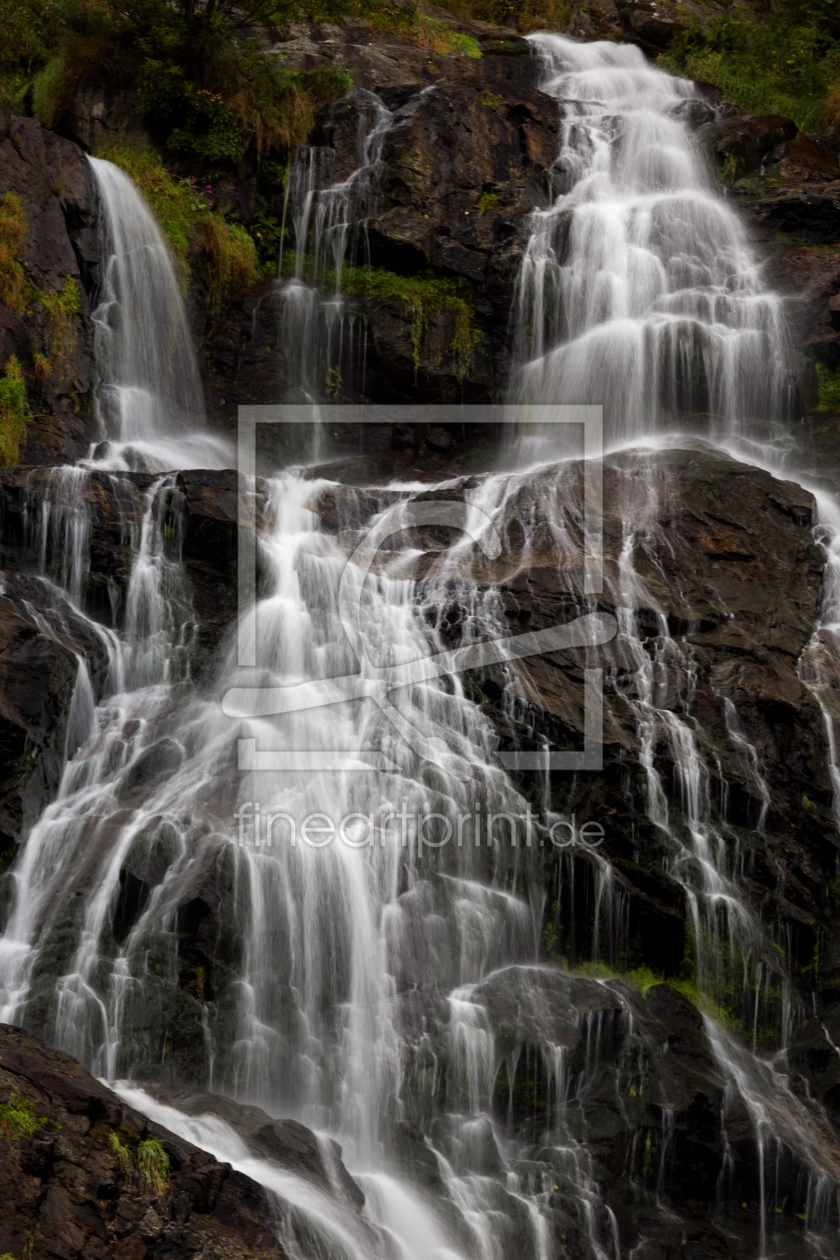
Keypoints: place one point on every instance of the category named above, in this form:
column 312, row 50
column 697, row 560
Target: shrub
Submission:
column 13, row 287
column 153, row 1164
column 787, row 62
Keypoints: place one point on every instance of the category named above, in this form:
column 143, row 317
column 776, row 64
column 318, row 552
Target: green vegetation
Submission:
column 61, row 310
column 487, row 201
column 153, row 1164
column 121, row 1151
column 14, row 417
column 829, row 387
column 422, row 296
column 784, row 62
column 13, row 285
column 523, row 15
column 189, row 223
column 19, row 1116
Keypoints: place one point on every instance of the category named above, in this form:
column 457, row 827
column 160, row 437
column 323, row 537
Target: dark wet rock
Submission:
column 68, row 1194
column 197, row 512
column 162, row 759
column 50, row 176
column 42, row 642
column 802, row 161
column 747, row 142
column 286, row 1143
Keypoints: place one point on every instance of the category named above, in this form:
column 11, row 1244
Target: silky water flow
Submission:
column 368, row 978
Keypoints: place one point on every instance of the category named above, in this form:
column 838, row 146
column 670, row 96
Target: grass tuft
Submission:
column 153, row 1164
column 19, row 1116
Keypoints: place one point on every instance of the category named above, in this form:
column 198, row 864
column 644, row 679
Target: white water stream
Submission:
column 363, row 974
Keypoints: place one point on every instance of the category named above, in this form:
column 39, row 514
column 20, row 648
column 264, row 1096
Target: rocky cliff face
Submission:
column 60, row 256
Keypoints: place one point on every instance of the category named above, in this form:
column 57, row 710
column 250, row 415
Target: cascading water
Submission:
column 640, row 288
column 149, row 396
column 322, row 331
column 385, row 988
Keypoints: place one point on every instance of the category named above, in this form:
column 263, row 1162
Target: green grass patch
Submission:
column 121, row 1151
column 153, row 1164
column 19, row 1116
column 487, row 201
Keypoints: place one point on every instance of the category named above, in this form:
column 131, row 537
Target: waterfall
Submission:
column 640, row 288
column 386, row 988
column 149, row 396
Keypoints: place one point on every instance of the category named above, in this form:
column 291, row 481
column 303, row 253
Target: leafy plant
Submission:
column 153, row 1164
column 487, row 201
column 787, row 62
column 14, row 417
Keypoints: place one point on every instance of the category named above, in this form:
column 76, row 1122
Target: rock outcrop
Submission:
column 71, row 1188
column 59, row 254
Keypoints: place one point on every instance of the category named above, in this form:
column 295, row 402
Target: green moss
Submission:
column 465, row 44
column 487, row 201
column 421, row 296
column 20, row 1117
column 12, row 235
column 14, row 417
column 153, row 1164
column 829, row 388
